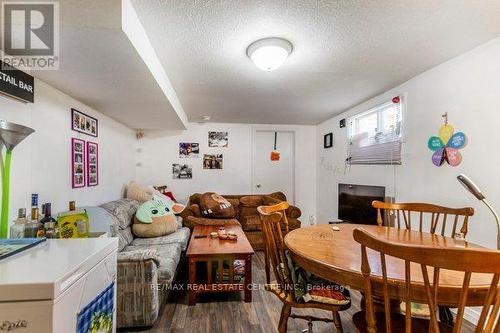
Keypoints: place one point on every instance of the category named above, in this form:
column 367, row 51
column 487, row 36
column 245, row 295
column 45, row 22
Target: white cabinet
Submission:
column 45, row 288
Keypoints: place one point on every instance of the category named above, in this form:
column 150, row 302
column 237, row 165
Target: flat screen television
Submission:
column 355, row 203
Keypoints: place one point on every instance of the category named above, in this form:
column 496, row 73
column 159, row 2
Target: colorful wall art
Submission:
column 447, row 144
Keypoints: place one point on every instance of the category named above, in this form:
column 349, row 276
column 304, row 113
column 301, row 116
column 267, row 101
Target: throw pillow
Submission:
column 156, row 218
column 216, row 206
column 251, row 201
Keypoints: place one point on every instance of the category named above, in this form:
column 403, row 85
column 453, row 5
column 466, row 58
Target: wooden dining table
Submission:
column 336, row 256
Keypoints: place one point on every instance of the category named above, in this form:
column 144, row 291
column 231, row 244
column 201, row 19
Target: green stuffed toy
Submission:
column 156, row 217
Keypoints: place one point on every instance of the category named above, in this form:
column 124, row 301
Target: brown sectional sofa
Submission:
column 246, row 214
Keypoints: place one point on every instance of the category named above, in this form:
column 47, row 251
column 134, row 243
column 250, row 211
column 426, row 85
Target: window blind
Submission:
column 375, row 135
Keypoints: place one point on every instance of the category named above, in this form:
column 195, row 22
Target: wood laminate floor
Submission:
column 227, row 313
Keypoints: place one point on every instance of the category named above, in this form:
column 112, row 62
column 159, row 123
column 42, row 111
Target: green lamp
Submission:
column 10, row 136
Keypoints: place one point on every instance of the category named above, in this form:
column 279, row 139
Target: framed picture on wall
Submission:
column 80, row 122
column 77, row 163
column 189, row 150
column 212, row 161
column 182, row 171
column 92, row 164
column 218, row 139
column 328, row 140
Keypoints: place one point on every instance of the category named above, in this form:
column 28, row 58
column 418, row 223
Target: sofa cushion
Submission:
column 253, row 223
column 192, row 221
column 292, row 224
column 250, row 223
column 180, row 236
column 168, row 255
column 245, row 211
column 216, row 206
column 278, row 195
column 139, row 254
column 123, row 211
column 125, row 237
column 251, row 201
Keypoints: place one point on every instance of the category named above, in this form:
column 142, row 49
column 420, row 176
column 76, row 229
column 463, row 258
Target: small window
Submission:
column 375, row 135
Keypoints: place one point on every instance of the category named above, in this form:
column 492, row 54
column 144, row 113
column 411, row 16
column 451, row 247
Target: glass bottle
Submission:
column 50, row 230
column 18, row 228
column 47, row 213
column 33, row 226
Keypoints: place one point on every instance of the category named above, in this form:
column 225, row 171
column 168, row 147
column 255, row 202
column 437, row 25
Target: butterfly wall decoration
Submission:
column 446, row 145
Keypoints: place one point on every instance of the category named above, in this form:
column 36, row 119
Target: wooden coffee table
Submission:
column 215, row 253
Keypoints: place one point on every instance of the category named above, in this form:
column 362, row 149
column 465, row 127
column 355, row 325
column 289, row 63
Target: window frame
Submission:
column 353, row 130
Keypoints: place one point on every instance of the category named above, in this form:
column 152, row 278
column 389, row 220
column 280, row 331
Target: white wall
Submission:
column 158, row 150
column 41, row 164
column 468, row 88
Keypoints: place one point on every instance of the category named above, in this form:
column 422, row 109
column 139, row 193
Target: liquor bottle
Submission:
column 50, row 229
column 40, row 233
column 34, row 200
column 47, row 213
column 18, row 228
column 33, row 225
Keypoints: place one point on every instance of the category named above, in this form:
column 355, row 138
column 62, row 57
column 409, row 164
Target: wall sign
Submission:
column 16, row 83
column 447, row 144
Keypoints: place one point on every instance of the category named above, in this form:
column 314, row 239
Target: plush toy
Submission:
column 140, row 192
column 216, row 206
column 156, row 217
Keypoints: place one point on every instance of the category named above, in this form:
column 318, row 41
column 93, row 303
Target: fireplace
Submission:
column 355, row 203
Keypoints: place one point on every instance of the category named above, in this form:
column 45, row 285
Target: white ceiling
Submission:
column 100, row 66
column 344, row 51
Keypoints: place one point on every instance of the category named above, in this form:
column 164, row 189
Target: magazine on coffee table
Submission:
column 9, row 247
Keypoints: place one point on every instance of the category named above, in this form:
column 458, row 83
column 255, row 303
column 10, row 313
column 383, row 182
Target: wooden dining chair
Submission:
column 283, row 286
column 432, row 218
column 430, row 259
column 281, row 208
column 429, row 218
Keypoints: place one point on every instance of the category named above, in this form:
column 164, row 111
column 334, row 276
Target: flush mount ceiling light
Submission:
column 269, row 53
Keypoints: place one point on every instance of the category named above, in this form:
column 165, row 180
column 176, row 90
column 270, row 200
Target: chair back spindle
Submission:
column 431, row 218
column 430, row 259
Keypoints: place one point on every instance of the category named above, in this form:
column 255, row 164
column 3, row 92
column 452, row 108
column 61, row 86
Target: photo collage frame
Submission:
column 84, row 154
